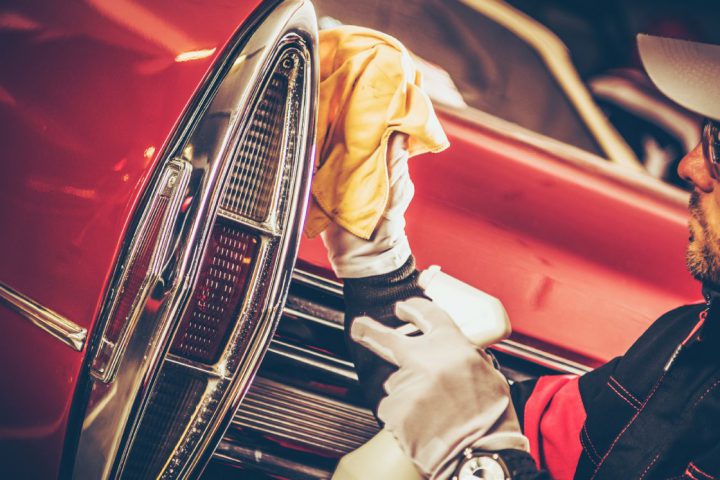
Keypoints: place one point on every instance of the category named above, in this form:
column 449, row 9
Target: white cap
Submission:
column 687, row 72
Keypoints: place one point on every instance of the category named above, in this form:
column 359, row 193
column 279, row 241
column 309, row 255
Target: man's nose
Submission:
column 693, row 169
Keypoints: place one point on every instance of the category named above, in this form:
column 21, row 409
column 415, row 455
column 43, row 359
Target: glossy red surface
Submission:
column 89, row 94
column 582, row 262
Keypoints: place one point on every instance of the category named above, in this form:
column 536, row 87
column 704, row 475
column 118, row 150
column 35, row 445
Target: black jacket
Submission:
column 653, row 413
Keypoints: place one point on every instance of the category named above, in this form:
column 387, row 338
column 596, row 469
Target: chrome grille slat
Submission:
column 293, row 414
column 303, row 418
column 309, row 403
column 237, row 454
column 284, row 430
column 313, row 359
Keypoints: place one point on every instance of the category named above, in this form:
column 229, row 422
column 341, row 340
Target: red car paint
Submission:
column 89, row 94
column 582, row 261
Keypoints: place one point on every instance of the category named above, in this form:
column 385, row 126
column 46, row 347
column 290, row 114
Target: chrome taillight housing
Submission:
column 200, row 287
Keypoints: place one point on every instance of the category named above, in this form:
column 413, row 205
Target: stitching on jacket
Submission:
column 695, row 468
column 710, row 388
column 615, row 381
column 630, row 422
column 587, row 450
column 622, row 396
column 689, row 474
column 592, row 448
column 649, row 467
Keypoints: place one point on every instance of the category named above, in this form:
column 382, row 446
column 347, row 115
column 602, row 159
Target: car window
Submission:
column 494, row 70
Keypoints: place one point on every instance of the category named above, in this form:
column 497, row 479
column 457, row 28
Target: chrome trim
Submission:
column 307, row 278
column 263, row 228
column 235, row 453
column 198, row 367
column 511, row 347
column 51, row 322
column 553, row 52
column 206, row 137
column 535, row 355
column 172, row 185
column 306, row 418
column 314, row 359
column 292, row 312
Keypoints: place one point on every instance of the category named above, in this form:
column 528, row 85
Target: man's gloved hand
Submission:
column 446, row 395
column 388, row 248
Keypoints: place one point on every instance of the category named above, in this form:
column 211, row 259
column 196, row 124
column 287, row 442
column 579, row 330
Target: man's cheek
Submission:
column 711, row 211
column 695, row 231
column 711, row 202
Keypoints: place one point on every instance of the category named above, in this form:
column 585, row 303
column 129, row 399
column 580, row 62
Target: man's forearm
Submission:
column 375, row 297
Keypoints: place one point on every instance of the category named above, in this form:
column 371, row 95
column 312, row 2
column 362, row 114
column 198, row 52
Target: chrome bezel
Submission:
column 114, row 409
column 173, row 184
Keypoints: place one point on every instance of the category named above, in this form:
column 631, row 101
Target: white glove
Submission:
column 446, row 395
column 388, row 248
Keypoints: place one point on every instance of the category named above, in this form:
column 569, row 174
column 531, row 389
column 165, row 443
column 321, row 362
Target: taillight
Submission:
column 147, row 254
column 219, row 294
column 199, row 287
column 227, row 315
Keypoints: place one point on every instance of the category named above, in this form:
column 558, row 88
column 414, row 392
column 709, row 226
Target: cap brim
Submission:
column 687, row 72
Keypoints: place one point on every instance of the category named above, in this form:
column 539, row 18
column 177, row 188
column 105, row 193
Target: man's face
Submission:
column 703, row 252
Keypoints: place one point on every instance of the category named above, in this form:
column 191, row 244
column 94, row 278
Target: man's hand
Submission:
column 388, row 248
column 446, row 395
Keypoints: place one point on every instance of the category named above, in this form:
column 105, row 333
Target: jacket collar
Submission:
column 711, row 328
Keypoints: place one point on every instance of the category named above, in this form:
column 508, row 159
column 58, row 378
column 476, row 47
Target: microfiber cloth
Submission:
column 369, row 88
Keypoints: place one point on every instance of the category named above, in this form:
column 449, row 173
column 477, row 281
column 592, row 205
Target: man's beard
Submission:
column 702, row 252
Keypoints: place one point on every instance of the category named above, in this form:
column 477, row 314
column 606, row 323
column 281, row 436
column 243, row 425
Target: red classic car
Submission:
column 157, row 169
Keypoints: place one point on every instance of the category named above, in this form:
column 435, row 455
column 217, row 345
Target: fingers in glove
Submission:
column 423, row 313
column 397, row 380
column 385, row 342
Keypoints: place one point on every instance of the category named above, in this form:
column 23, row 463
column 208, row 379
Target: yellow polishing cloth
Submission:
column 369, row 88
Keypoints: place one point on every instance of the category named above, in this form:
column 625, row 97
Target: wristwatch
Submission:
column 509, row 464
column 481, row 465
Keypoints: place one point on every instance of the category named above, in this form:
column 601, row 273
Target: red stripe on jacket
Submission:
column 554, row 416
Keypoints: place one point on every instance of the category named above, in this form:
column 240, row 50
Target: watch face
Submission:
column 483, row 467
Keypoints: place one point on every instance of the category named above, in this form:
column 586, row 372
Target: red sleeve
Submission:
column 552, row 420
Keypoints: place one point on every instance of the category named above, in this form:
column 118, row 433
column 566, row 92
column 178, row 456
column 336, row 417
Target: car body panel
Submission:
column 89, row 94
column 583, row 255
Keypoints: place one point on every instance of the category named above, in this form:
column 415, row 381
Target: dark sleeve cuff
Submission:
column 522, row 466
column 375, row 297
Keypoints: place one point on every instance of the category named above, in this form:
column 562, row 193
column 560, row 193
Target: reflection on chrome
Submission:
column 194, row 55
column 52, row 322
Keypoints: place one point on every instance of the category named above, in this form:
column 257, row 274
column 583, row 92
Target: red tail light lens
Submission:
column 137, row 271
column 147, row 252
column 219, row 294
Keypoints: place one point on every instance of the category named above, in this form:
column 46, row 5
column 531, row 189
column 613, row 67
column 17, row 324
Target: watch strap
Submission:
column 520, row 464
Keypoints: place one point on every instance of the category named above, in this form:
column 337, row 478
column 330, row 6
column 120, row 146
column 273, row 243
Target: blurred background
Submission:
column 477, row 57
